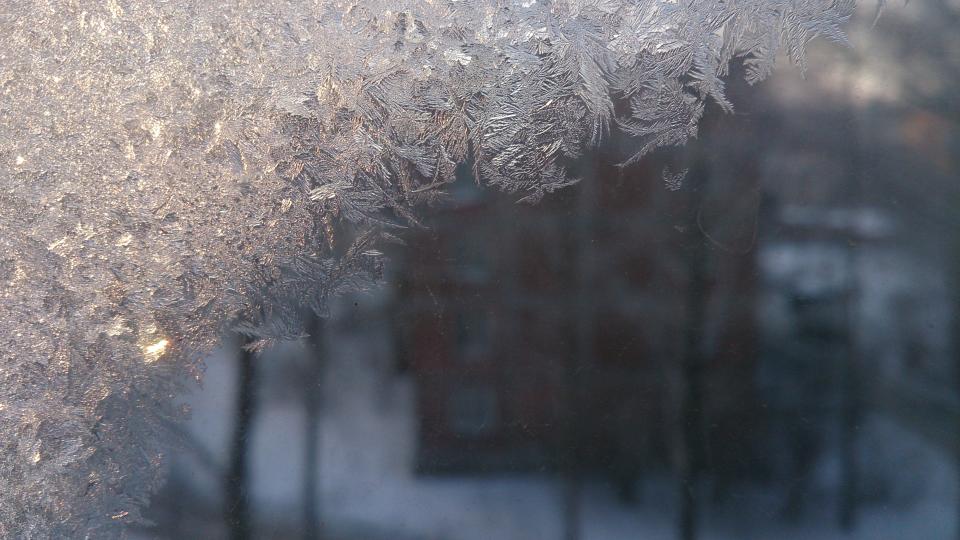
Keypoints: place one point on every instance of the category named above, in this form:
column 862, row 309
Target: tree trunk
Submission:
column 851, row 391
column 580, row 361
column 237, row 481
column 312, row 398
column 848, row 444
column 692, row 366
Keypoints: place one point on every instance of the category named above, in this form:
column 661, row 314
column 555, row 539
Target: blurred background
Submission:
column 753, row 336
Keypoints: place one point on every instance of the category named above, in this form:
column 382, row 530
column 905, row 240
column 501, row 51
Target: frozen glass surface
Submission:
column 478, row 269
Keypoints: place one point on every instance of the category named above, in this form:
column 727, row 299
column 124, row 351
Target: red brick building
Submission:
column 528, row 326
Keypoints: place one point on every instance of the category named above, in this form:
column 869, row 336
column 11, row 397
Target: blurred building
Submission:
column 493, row 297
column 855, row 299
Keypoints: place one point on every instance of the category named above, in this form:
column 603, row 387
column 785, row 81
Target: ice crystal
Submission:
column 171, row 170
column 673, row 181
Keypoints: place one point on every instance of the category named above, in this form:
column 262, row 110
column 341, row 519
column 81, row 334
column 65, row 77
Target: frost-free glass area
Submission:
column 574, row 270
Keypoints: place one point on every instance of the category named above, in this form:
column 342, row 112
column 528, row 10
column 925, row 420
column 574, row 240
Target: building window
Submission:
column 472, row 334
column 469, row 258
column 472, row 410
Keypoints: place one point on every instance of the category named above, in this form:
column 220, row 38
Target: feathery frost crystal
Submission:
column 172, row 170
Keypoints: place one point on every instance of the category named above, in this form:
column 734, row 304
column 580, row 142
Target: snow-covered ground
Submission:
column 369, row 489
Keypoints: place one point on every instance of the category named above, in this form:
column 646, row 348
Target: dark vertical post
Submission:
column 237, row 481
column 850, row 420
column 955, row 283
column 692, row 365
column 851, row 406
column 580, row 360
column 311, row 451
column 956, row 361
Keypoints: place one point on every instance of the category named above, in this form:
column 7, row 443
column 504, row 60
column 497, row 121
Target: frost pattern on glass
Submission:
column 171, row 170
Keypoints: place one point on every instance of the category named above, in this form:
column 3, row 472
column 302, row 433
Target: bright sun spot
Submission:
column 155, row 351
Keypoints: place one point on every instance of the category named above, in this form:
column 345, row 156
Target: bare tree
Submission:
column 237, row 481
column 692, row 367
column 581, row 359
column 312, row 449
